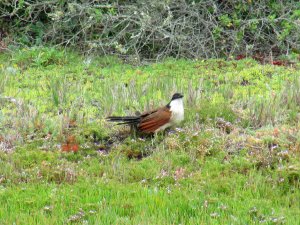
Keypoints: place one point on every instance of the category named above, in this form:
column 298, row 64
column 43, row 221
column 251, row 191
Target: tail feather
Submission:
column 124, row 119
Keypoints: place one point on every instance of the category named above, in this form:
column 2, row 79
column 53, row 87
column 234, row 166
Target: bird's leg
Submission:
column 133, row 130
column 157, row 138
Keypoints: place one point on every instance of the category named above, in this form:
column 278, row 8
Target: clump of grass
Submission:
column 274, row 108
column 136, row 148
column 63, row 172
column 264, row 111
column 93, row 132
column 39, row 57
column 211, row 110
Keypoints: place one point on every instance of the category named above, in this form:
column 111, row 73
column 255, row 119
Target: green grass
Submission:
column 201, row 174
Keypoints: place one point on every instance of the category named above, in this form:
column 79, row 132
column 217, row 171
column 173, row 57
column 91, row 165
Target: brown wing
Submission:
column 154, row 120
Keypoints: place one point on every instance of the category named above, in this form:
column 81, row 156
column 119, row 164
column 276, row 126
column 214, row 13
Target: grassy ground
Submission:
column 235, row 159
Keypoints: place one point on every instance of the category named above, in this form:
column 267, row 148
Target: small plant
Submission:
column 39, row 57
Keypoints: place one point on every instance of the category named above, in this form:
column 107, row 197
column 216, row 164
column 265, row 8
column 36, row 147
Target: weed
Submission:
column 38, row 57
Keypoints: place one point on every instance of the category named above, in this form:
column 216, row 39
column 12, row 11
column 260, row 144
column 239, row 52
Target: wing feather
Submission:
column 155, row 120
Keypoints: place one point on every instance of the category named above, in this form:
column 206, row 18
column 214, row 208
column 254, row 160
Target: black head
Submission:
column 176, row 96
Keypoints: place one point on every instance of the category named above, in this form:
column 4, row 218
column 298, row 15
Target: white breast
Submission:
column 176, row 107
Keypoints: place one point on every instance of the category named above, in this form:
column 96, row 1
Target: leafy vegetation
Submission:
column 234, row 160
column 155, row 30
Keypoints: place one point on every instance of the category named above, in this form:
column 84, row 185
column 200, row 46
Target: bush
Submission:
column 156, row 29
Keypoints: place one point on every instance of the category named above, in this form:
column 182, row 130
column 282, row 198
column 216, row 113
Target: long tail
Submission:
column 130, row 120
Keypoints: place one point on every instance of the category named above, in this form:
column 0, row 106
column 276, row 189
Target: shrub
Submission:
column 156, row 29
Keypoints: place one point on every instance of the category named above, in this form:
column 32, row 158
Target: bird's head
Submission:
column 176, row 96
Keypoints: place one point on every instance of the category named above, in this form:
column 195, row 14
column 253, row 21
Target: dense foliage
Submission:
column 155, row 29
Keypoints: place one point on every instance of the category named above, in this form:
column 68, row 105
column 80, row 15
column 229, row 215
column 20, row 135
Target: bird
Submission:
column 152, row 122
